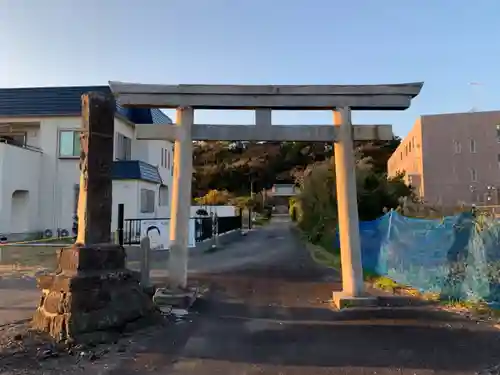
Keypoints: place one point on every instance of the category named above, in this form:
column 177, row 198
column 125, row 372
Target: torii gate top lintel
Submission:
column 285, row 97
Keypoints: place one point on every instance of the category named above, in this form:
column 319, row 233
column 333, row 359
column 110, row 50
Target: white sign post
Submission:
column 158, row 231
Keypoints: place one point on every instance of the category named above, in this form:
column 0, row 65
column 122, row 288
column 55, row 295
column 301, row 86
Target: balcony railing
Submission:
column 20, row 145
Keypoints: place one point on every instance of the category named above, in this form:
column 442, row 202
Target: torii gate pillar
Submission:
column 347, row 205
column 181, row 199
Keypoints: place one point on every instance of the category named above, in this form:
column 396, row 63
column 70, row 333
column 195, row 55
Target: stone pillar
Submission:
column 96, row 160
column 350, row 246
column 92, row 295
column 181, row 200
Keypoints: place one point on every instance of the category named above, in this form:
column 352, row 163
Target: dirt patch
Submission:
column 269, row 291
column 29, row 256
column 23, row 351
column 25, row 263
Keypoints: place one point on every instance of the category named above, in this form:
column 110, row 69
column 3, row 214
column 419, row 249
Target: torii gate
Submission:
column 341, row 99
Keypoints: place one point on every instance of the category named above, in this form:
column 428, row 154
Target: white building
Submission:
column 284, row 190
column 39, row 154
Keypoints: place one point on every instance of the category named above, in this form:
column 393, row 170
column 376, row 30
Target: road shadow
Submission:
column 390, row 338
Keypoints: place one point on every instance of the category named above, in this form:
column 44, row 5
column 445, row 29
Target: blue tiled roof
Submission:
column 135, row 170
column 66, row 101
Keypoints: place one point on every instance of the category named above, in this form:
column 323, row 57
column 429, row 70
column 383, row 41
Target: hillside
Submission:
column 235, row 166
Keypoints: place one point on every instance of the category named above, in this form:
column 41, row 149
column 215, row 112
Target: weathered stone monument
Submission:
column 92, row 295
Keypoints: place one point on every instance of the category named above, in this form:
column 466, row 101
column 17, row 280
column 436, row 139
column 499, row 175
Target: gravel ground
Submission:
column 269, row 314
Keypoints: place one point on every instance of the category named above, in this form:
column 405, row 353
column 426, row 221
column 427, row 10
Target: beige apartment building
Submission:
column 452, row 158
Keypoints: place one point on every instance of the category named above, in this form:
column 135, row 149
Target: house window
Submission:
column 165, row 158
column 472, row 146
column 123, row 147
column 163, row 196
column 458, row 147
column 498, row 133
column 498, row 161
column 147, row 201
column 69, row 143
column 172, row 160
column 473, row 175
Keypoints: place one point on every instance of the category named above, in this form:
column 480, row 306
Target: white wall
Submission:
column 128, row 130
column 152, row 152
column 154, row 157
column 284, row 190
column 221, row 211
column 19, row 171
column 128, row 192
column 139, row 150
column 160, row 211
column 125, row 192
column 68, row 171
column 52, row 179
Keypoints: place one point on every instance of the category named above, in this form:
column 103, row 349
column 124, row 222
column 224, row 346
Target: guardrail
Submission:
column 228, row 223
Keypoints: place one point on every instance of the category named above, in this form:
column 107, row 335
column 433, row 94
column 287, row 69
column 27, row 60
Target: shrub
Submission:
column 318, row 200
column 294, row 209
column 244, row 202
column 214, row 198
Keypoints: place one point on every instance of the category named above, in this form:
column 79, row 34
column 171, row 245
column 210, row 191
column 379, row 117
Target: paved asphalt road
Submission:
column 266, row 314
column 269, row 317
column 19, row 295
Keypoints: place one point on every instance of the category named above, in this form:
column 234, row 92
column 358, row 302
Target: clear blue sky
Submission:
column 445, row 43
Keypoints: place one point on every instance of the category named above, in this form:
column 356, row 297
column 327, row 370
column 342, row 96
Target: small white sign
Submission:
column 158, row 231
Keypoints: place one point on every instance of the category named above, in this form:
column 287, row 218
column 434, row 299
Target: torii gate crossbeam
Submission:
column 341, row 99
column 307, row 133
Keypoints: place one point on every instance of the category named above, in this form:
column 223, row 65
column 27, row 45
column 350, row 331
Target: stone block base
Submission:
column 82, row 302
column 342, row 301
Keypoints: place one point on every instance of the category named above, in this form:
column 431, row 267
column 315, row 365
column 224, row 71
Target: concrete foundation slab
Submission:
column 175, row 298
column 342, row 301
